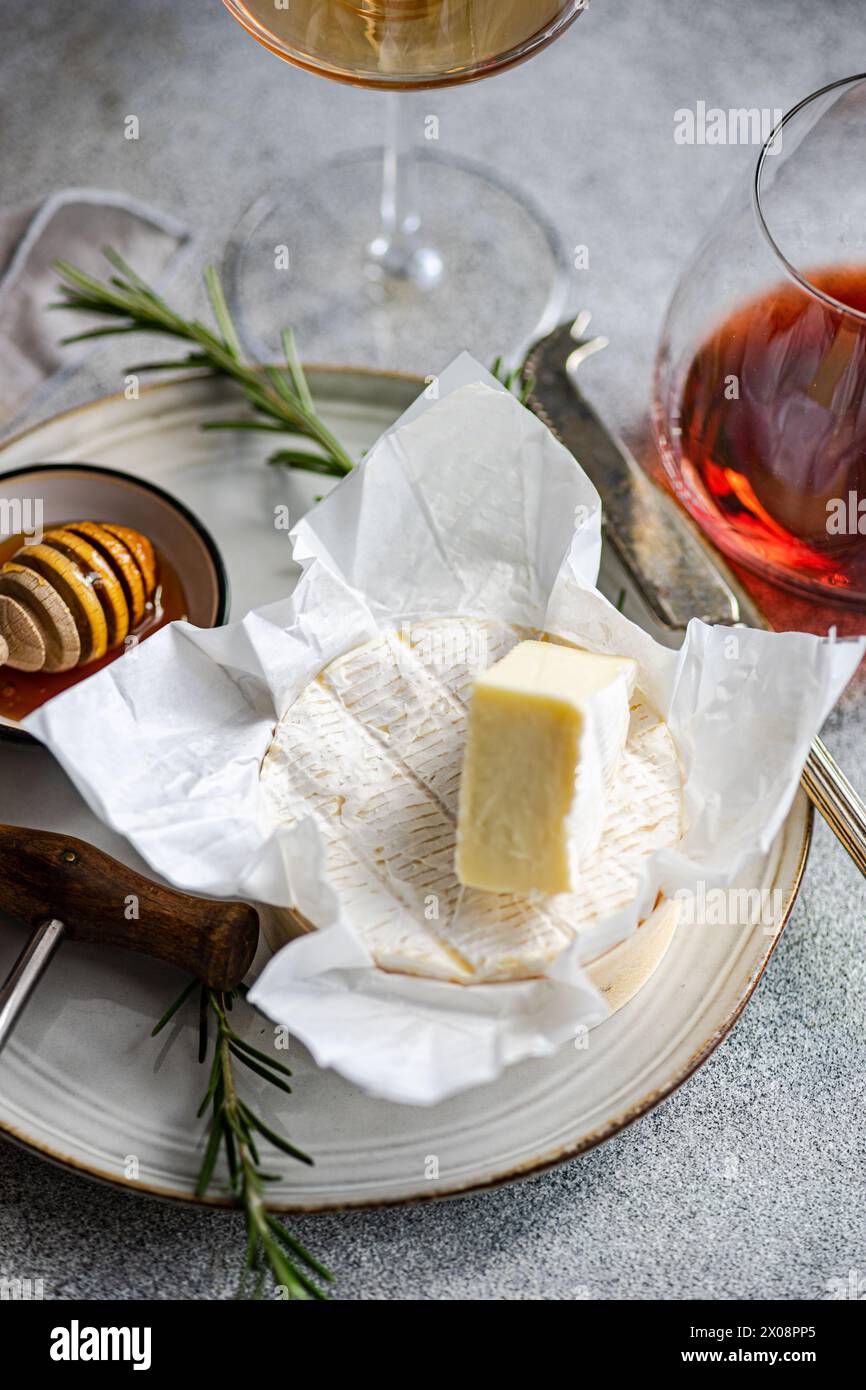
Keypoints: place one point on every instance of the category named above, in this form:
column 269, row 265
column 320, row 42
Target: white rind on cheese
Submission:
column 372, row 750
column 547, row 726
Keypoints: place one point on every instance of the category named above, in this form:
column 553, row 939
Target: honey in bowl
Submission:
column 80, row 597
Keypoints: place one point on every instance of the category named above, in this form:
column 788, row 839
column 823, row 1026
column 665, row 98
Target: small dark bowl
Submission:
column 85, row 491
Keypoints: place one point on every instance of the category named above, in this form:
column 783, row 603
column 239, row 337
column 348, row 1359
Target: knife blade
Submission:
column 658, row 546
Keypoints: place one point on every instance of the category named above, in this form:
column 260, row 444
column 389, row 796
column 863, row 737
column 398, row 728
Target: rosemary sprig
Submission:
column 279, row 396
column 235, row 1128
column 516, row 381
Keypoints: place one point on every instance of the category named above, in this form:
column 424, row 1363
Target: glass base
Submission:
column 484, row 270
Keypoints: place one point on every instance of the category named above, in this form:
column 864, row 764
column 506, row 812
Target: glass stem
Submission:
column 397, row 252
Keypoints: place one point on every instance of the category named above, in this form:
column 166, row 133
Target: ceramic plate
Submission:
column 83, row 1082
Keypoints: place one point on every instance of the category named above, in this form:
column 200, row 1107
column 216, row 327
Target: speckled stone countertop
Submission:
column 765, row 1146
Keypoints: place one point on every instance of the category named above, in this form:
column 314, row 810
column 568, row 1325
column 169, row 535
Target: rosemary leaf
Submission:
column 298, row 458
column 212, row 1085
column 276, row 1139
column 202, row 1025
column 297, row 371
column 221, row 311
column 295, row 1245
column 231, row 1154
column 94, row 333
column 176, row 364
column 209, row 1161
column 260, row 1070
column 252, row 1242
column 281, row 386
column 285, row 1273
column 173, row 1008
column 242, row 425
column 114, row 258
column 262, row 1056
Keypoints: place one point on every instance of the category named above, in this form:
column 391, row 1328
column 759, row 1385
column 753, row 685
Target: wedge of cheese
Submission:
column 547, row 726
column 370, row 756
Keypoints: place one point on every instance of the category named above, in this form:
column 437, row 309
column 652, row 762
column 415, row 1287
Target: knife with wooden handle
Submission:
column 679, row 575
column 63, row 887
column 657, row 544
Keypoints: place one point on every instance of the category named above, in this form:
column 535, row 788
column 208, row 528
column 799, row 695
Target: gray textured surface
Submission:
column 748, row 1182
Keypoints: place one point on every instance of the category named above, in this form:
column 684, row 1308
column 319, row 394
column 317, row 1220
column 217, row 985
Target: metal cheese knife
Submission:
column 678, row 574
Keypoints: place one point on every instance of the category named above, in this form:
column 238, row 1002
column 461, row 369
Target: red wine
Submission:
column 773, row 422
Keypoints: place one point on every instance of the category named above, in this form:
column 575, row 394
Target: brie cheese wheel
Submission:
column 372, row 750
column 547, row 726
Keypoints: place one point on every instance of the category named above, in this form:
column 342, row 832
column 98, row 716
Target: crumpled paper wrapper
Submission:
column 469, row 506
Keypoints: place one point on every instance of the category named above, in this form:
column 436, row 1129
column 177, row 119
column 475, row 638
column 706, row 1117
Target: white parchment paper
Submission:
column 469, row 506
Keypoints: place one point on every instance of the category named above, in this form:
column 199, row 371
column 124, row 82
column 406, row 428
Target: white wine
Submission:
column 404, row 42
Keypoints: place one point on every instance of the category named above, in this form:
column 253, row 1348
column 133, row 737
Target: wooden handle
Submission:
column 98, row 899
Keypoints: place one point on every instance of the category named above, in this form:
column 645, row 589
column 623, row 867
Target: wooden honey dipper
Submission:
column 74, row 596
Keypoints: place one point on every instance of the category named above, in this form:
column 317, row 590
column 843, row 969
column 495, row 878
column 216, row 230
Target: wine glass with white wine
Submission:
column 400, row 254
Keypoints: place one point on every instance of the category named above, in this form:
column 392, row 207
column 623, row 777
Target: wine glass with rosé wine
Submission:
column 403, row 253
column 760, row 395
